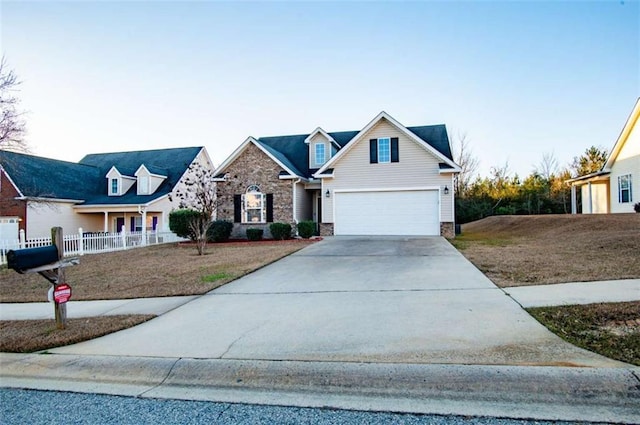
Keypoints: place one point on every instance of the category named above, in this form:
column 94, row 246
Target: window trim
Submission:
column 625, row 178
column 143, row 185
column 387, row 152
column 253, row 190
column 114, row 184
column 324, row 153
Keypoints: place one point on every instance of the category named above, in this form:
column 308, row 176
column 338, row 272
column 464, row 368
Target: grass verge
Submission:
column 610, row 329
column 156, row 271
column 27, row 336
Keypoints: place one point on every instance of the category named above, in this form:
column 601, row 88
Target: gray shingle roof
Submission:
column 50, row 178
column 292, row 152
column 167, row 162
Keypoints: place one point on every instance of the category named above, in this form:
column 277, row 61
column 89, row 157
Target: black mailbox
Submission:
column 24, row 259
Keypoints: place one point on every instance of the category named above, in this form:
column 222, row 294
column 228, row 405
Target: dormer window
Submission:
column 113, row 187
column 143, row 185
column 320, row 153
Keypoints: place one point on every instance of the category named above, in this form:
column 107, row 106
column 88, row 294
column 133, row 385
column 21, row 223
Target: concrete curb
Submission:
column 521, row 392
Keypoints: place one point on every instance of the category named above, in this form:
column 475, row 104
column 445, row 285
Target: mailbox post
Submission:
column 60, row 308
column 49, row 262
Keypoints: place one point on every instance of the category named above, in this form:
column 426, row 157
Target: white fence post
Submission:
column 23, row 239
column 80, row 241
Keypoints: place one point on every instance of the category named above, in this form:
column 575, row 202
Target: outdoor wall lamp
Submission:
column 446, row 190
column 327, row 194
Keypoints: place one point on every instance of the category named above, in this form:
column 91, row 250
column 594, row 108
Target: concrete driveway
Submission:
column 350, row 299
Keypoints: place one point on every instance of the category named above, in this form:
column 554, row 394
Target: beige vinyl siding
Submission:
column 303, row 203
column 627, row 162
column 417, row 168
column 598, row 198
column 42, row 216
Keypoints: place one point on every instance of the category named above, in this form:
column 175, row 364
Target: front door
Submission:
column 119, row 224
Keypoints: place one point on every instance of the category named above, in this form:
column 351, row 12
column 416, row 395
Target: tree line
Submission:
column 544, row 191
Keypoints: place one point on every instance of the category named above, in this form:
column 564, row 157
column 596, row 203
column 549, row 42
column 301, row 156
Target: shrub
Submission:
column 179, row 222
column 280, row 231
column 220, row 231
column 306, row 229
column 636, row 207
column 254, row 234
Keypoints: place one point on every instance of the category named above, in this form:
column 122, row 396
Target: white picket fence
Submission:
column 91, row 243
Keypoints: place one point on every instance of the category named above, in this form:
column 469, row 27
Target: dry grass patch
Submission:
column 610, row 329
column 534, row 250
column 157, row 271
column 27, row 336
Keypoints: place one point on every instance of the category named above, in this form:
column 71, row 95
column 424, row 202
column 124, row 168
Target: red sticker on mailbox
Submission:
column 62, row 293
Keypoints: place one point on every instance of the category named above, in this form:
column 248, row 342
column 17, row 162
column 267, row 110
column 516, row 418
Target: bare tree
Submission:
column 12, row 125
column 199, row 194
column 463, row 156
column 548, row 167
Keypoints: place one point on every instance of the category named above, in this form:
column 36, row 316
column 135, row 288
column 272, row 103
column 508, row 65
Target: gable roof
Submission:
column 432, row 138
column 292, row 152
column 39, row 177
column 85, row 181
column 631, row 122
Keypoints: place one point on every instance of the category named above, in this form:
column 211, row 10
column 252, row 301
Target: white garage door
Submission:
column 9, row 229
column 409, row 212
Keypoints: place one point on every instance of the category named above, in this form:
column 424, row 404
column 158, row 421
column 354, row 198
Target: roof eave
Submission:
column 587, row 177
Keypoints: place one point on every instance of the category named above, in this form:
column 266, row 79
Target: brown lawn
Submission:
column 25, row 336
column 145, row 272
column 158, row 271
column 534, row 250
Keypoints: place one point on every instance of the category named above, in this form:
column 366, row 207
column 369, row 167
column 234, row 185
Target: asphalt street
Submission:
column 47, row 407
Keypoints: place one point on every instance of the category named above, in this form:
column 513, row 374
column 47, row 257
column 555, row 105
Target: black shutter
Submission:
column 133, row 224
column 373, row 151
column 395, row 155
column 237, row 208
column 269, row 207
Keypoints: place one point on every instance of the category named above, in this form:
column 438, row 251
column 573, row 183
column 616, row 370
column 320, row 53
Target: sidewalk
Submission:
column 76, row 309
column 607, row 291
column 526, row 296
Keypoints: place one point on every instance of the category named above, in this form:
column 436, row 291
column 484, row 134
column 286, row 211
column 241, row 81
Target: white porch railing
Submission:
column 91, row 243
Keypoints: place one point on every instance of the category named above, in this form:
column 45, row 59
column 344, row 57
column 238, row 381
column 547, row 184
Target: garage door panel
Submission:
column 387, row 213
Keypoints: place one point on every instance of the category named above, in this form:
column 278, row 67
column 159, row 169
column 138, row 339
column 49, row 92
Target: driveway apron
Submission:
column 354, row 299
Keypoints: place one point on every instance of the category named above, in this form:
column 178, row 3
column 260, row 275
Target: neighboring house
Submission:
column 386, row 179
column 102, row 193
column 616, row 187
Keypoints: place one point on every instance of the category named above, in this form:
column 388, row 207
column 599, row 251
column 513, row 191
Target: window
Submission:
column 143, row 182
column 253, row 203
column 320, row 153
column 114, row 187
column 384, row 150
column 624, row 189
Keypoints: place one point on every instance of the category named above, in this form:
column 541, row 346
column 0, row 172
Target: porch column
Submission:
column 106, row 222
column 163, row 227
column 574, row 201
column 590, row 199
column 144, row 226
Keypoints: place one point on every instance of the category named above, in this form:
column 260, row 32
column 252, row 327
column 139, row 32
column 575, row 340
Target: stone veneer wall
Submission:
column 326, row 229
column 254, row 167
column 447, row 230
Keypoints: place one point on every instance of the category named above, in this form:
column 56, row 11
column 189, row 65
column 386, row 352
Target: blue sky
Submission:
column 519, row 78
